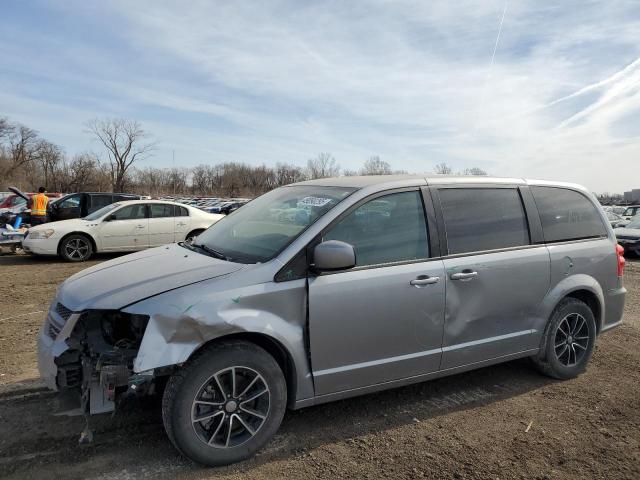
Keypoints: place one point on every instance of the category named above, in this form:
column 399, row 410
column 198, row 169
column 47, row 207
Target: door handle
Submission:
column 464, row 275
column 181, row 224
column 140, row 226
column 424, row 280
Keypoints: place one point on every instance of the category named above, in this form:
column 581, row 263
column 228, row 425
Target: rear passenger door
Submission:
column 496, row 277
column 181, row 223
column 161, row 227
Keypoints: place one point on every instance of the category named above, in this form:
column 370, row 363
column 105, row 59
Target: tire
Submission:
column 568, row 341
column 203, row 378
column 76, row 248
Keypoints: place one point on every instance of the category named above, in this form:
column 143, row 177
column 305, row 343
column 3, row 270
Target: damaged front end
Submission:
column 93, row 354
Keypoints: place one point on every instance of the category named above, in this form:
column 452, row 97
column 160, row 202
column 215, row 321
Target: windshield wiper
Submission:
column 213, row 252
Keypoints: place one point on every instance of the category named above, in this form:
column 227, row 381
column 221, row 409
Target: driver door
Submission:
column 126, row 229
column 382, row 320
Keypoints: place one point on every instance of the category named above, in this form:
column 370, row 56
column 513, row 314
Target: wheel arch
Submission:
column 195, row 232
column 273, row 347
column 582, row 287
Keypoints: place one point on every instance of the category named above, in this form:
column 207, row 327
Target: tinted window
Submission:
column 478, row 219
column 181, row 212
column 390, row 228
column 567, row 214
column 99, row 201
column 130, row 212
column 160, row 210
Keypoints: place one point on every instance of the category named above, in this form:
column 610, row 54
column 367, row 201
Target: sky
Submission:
column 547, row 90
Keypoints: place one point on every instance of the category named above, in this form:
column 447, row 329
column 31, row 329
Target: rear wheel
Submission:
column 76, row 248
column 225, row 404
column 569, row 340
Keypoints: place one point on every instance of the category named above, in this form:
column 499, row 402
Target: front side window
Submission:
column 387, row 229
column 70, row 202
column 130, row 212
column 478, row 219
column 161, row 210
column 270, row 223
column 567, row 215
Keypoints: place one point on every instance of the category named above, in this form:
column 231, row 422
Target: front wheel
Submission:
column 76, row 248
column 568, row 341
column 225, row 404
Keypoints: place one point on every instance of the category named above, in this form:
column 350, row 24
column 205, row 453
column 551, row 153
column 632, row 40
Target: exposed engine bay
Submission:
column 96, row 372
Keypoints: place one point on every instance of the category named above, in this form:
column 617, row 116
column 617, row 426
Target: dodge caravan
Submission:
column 367, row 283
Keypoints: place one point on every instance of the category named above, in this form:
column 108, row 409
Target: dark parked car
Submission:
column 79, row 205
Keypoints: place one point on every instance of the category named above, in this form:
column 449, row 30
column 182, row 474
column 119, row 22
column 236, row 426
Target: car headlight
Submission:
column 41, row 234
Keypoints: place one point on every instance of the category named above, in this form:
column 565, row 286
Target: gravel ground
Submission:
column 505, row 421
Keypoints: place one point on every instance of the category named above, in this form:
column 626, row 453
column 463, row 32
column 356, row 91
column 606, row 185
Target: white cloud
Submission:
column 410, row 81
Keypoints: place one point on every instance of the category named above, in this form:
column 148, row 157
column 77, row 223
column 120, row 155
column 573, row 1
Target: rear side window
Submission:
column 478, row 219
column 387, row 229
column 161, row 210
column 567, row 214
column 181, row 211
column 99, row 201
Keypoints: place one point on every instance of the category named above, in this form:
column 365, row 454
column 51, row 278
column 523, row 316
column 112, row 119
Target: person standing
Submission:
column 39, row 204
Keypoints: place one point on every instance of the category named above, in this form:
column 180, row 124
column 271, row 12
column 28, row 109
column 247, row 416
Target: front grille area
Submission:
column 63, row 311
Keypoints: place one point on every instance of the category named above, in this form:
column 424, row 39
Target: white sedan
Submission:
column 119, row 227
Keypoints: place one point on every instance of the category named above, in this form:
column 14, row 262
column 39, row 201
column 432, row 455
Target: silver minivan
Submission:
column 333, row 288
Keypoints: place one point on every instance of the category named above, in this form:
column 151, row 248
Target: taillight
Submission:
column 621, row 260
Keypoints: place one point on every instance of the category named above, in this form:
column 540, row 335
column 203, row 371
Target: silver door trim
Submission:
column 458, row 346
column 374, row 363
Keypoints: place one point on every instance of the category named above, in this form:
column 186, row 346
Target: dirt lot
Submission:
column 472, row 425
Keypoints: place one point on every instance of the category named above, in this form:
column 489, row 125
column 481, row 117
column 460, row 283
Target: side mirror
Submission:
column 109, row 218
column 333, row 255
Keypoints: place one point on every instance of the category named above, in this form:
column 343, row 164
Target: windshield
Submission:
column 103, row 211
column 630, row 211
column 635, row 223
column 258, row 231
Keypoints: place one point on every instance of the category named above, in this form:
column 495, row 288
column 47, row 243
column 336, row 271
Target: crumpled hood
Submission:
column 627, row 232
column 124, row 280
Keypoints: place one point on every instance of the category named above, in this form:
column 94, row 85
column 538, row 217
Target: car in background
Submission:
column 17, row 204
column 631, row 211
column 629, row 236
column 615, row 220
column 119, row 227
column 79, row 205
column 226, row 208
column 16, row 198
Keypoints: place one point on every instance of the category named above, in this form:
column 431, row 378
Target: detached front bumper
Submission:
column 52, row 343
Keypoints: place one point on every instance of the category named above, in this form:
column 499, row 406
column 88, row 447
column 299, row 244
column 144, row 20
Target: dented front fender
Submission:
column 183, row 320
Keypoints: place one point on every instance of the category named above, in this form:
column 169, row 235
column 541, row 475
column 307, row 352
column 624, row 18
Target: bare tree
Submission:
column 50, row 157
column 474, row 171
column 443, row 169
column 375, row 166
column 323, row 166
column 125, row 141
column 286, row 174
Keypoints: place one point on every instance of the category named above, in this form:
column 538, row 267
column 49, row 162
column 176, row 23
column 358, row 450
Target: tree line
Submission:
column 28, row 161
